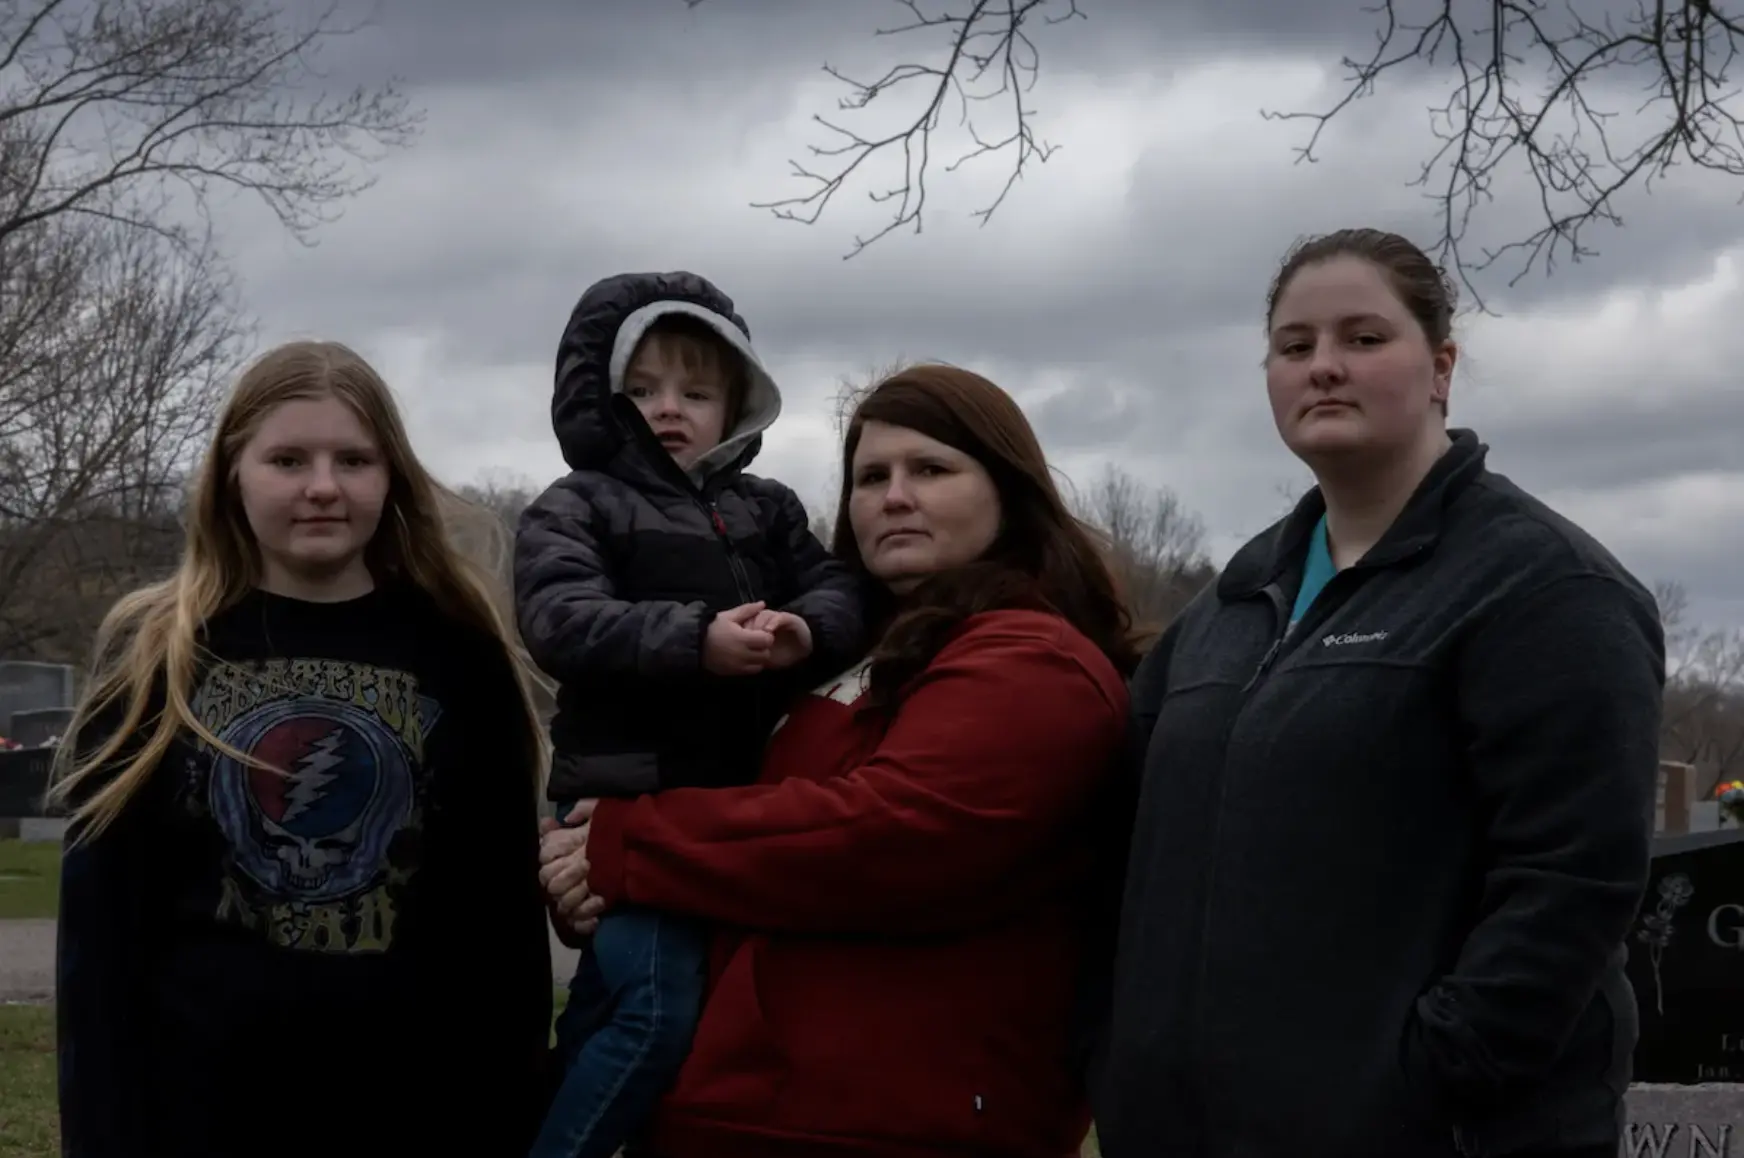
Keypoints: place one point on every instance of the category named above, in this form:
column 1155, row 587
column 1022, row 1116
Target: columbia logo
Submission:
column 1352, row 637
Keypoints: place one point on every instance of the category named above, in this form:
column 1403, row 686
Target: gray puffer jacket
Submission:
column 621, row 564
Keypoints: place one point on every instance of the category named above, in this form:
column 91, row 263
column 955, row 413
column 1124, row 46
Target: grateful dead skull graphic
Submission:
column 313, row 825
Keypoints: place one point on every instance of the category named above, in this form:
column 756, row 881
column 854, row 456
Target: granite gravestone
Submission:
column 24, row 777
column 39, row 726
column 1686, row 963
column 26, row 687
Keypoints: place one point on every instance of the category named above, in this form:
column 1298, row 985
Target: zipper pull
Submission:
column 1265, row 663
column 720, row 523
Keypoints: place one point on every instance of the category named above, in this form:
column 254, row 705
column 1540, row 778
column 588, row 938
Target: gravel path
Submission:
column 27, row 953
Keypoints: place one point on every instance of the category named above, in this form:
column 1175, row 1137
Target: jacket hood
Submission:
column 595, row 425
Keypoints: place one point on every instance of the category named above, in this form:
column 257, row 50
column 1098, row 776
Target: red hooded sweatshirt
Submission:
column 901, row 945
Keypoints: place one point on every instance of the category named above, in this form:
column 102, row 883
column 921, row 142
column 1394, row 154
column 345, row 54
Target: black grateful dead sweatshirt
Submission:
column 348, row 959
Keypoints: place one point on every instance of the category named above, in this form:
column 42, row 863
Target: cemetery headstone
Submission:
column 26, row 687
column 33, row 728
column 1686, row 963
column 24, row 775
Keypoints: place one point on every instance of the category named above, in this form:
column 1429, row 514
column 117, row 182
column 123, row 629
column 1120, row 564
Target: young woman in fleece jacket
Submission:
column 899, row 899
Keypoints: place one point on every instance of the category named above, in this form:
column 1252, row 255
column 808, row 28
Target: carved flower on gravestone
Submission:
column 1731, row 798
column 1675, row 892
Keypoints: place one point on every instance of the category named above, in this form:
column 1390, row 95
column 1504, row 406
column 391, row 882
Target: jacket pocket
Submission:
column 1579, row 1103
column 614, row 774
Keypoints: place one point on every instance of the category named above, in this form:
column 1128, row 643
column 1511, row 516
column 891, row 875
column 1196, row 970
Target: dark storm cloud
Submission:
column 561, row 148
column 625, row 68
column 1162, row 309
column 1600, row 444
column 1670, row 231
column 593, row 42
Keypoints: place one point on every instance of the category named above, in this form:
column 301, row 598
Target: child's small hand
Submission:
column 733, row 645
column 791, row 636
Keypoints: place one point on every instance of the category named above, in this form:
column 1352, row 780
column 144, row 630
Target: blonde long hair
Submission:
column 150, row 638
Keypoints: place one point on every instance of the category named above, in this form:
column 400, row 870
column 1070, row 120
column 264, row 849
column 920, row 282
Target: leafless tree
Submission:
column 986, row 58
column 1586, row 105
column 483, row 524
column 114, row 108
column 1157, row 545
column 1704, row 691
column 1583, row 106
column 505, row 496
column 113, row 349
column 119, row 121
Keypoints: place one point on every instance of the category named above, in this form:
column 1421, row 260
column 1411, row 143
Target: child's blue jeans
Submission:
column 633, row 1007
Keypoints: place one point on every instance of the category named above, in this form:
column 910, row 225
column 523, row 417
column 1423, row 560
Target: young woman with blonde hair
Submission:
column 300, row 908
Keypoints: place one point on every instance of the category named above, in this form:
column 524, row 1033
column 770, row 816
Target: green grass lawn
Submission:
column 30, row 879
column 28, row 1126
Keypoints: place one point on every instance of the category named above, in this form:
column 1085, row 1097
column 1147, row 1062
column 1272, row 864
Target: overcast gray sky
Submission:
column 1118, row 293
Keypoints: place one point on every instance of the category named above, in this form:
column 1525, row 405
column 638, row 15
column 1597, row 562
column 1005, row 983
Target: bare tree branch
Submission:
column 130, row 96
column 1530, row 79
column 121, row 346
column 118, row 321
column 985, row 56
column 503, row 495
column 1528, row 76
column 483, row 528
column 1703, row 722
column 1156, row 545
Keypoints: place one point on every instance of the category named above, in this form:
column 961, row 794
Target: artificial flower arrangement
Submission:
column 1731, row 798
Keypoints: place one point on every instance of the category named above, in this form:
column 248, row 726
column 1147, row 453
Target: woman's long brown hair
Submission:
column 1045, row 557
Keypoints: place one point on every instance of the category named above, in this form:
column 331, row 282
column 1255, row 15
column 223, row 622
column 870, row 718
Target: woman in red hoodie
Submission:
column 900, row 899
